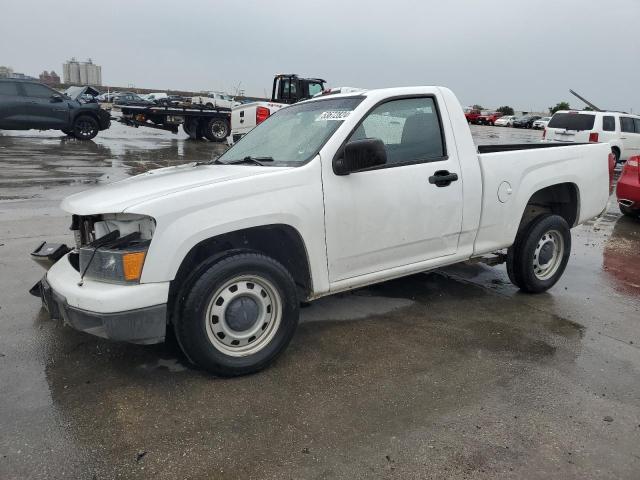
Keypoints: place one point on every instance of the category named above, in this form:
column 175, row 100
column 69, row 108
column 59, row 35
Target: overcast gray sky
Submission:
column 522, row 53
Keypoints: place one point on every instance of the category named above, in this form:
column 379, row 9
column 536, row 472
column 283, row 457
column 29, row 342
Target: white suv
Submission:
column 620, row 130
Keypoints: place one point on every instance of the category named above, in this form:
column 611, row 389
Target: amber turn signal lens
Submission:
column 132, row 265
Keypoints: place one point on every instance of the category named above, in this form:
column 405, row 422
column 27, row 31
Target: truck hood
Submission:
column 118, row 196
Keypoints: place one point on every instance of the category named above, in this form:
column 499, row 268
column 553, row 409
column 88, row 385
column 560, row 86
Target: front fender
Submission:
column 187, row 218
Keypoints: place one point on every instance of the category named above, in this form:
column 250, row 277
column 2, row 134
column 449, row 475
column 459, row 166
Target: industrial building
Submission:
column 7, row 72
column 50, row 78
column 81, row 73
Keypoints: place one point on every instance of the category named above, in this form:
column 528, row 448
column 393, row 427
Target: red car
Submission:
column 472, row 115
column 488, row 118
column 628, row 190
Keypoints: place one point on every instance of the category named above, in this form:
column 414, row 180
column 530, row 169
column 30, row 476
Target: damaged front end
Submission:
column 108, row 247
column 95, row 286
column 111, row 247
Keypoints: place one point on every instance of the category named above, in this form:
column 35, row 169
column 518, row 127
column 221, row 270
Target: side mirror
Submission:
column 360, row 155
column 55, row 98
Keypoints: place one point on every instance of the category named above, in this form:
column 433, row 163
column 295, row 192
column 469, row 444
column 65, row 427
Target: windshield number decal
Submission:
column 333, row 115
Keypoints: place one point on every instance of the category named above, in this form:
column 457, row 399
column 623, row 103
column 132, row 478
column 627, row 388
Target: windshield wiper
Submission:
column 248, row 159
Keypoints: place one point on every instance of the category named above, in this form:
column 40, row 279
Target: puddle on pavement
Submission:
column 50, row 160
column 379, row 361
column 444, row 346
column 620, row 256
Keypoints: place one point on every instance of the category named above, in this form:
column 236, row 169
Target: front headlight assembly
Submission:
column 117, row 248
column 113, row 265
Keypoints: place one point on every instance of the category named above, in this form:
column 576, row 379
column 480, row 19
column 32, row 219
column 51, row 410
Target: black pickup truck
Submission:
column 28, row 104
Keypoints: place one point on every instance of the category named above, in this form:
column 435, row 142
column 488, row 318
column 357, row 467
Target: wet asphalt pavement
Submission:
column 450, row 374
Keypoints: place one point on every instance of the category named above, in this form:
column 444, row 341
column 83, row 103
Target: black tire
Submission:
column 209, row 105
column 191, row 128
column 212, row 288
column 616, row 153
column 85, row 127
column 216, row 130
column 541, row 237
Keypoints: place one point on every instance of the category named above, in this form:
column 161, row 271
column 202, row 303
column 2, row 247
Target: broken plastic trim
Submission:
column 46, row 254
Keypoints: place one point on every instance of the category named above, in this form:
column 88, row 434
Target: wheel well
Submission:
column 616, row 149
column 86, row 114
column 283, row 243
column 561, row 199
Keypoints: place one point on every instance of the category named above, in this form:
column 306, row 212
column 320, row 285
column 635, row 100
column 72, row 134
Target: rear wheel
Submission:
column 539, row 256
column 85, row 127
column 238, row 315
column 216, row 130
column 191, row 128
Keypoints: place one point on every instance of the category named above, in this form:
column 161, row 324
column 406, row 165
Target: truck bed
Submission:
column 511, row 172
column 200, row 110
column 510, row 147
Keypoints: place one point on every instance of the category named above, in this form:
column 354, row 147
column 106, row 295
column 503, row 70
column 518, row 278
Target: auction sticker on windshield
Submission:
column 333, row 115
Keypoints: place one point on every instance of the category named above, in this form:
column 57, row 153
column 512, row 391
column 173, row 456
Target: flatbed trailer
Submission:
column 214, row 124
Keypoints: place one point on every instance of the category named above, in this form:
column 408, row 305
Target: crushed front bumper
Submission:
column 92, row 307
column 143, row 326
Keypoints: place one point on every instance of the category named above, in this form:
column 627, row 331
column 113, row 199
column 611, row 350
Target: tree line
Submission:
column 507, row 110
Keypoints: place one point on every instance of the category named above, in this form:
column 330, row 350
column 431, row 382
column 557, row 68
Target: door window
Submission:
column 8, row 88
column 409, row 128
column 314, row 89
column 636, row 121
column 36, row 90
column 626, row 125
column 608, row 124
column 288, row 88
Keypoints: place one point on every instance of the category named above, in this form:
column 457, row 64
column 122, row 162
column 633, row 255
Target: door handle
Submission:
column 442, row 178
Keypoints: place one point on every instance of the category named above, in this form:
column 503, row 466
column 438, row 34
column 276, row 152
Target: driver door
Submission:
column 392, row 216
column 42, row 110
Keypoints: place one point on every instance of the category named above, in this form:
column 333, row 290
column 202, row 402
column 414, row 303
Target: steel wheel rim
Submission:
column 221, row 314
column 218, row 130
column 85, row 128
column 548, row 255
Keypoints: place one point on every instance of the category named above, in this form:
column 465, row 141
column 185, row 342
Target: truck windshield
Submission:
column 572, row 121
column 294, row 134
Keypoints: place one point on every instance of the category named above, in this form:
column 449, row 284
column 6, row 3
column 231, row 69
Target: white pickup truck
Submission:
column 287, row 88
column 215, row 100
column 326, row 195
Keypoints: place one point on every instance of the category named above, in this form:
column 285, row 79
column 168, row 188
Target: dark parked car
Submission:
column 27, row 104
column 171, row 100
column 526, row 121
column 131, row 99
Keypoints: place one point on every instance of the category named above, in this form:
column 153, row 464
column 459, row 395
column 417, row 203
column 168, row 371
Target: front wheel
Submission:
column 538, row 257
column 85, row 127
column 238, row 315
